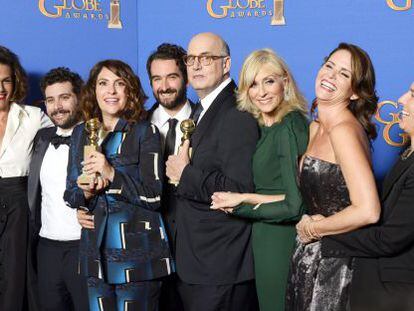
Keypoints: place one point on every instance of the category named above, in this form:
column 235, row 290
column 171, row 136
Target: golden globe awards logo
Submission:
column 83, row 9
column 274, row 9
column 400, row 5
column 390, row 122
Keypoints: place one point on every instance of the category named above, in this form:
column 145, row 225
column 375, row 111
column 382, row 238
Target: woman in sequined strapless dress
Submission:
column 336, row 180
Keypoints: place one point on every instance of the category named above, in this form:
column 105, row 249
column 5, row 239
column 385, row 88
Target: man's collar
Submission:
column 162, row 115
column 208, row 100
column 65, row 132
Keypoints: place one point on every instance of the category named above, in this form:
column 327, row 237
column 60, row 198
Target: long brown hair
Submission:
column 19, row 76
column 134, row 109
column 363, row 85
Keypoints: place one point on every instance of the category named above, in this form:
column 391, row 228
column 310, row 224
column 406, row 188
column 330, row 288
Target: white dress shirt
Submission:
column 23, row 122
column 208, row 100
column 160, row 119
column 59, row 221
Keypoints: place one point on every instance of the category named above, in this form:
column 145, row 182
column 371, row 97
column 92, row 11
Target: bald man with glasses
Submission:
column 213, row 250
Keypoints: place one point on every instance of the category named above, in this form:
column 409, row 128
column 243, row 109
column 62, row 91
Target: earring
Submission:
column 286, row 94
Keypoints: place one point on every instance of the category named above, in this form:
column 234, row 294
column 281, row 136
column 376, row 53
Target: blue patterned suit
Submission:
column 129, row 245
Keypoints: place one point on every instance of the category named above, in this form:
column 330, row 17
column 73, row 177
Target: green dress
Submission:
column 275, row 168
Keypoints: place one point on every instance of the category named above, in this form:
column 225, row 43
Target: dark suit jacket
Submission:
column 34, row 194
column 41, row 143
column 212, row 247
column 390, row 244
column 168, row 200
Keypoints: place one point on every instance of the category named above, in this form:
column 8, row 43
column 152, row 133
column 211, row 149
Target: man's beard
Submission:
column 72, row 119
column 179, row 99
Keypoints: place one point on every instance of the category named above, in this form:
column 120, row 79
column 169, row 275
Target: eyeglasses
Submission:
column 204, row 60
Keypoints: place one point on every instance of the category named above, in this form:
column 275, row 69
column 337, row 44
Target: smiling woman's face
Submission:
column 6, row 86
column 110, row 93
column 407, row 114
column 333, row 82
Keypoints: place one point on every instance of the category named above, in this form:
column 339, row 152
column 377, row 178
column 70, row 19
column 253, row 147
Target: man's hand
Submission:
column 85, row 219
column 176, row 163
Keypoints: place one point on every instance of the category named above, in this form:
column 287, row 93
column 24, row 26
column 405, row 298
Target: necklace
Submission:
column 406, row 154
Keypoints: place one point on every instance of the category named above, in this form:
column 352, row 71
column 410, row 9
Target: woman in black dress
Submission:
column 336, row 179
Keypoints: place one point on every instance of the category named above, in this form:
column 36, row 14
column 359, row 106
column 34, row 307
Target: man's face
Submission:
column 62, row 104
column 167, row 83
column 204, row 79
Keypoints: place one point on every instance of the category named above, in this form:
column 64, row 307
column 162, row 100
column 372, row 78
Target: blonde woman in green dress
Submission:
column 268, row 91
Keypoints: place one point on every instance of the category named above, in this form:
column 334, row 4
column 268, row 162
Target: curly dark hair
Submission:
column 60, row 75
column 19, row 76
column 134, row 109
column 363, row 85
column 167, row 51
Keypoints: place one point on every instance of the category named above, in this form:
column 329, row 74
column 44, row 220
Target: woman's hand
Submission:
column 85, row 219
column 95, row 186
column 226, row 201
column 300, row 229
column 305, row 228
column 317, row 217
column 97, row 163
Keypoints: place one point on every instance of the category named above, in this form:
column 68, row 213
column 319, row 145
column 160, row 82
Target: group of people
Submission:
column 259, row 210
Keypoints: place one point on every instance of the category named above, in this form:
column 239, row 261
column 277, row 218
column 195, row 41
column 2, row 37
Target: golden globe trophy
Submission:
column 114, row 15
column 93, row 127
column 187, row 127
column 278, row 18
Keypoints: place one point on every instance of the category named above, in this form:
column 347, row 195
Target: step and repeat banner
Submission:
column 78, row 33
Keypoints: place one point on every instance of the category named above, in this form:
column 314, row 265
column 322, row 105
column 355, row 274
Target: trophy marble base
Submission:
column 279, row 21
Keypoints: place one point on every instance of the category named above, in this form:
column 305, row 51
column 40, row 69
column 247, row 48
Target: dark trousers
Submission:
column 233, row 297
column 170, row 299
column 61, row 288
column 133, row 296
column 369, row 293
column 17, row 289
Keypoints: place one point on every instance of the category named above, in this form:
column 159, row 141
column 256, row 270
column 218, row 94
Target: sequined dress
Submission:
column 316, row 283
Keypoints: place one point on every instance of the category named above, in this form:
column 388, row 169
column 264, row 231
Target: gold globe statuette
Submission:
column 93, row 127
column 187, row 127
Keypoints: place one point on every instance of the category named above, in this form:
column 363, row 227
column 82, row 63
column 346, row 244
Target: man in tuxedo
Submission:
column 57, row 227
column 168, row 78
column 213, row 250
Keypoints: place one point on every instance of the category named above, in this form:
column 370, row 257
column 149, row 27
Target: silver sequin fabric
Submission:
column 316, row 283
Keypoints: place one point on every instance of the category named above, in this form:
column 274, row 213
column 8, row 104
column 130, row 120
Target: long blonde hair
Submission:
column 292, row 99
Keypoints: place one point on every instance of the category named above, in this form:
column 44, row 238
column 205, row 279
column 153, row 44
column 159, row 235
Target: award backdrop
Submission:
column 78, row 33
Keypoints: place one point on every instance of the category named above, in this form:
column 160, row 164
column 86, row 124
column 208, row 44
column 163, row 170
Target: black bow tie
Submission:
column 57, row 140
